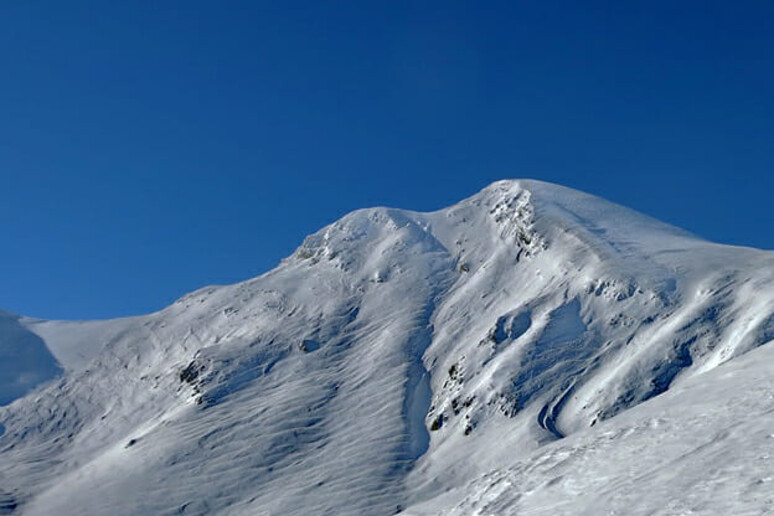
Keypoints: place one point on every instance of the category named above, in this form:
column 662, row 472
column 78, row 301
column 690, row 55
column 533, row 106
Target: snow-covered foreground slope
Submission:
column 704, row 447
column 493, row 356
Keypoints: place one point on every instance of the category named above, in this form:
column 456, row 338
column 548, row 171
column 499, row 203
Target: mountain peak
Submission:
column 392, row 359
column 573, row 210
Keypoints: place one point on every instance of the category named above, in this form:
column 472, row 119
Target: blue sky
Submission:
column 151, row 148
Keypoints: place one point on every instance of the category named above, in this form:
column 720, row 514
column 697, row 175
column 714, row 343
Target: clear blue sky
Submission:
column 151, row 148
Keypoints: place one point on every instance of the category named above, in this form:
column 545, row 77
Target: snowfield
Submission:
column 530, row 350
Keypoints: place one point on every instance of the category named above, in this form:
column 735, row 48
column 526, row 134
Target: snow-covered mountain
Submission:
column 504, row 355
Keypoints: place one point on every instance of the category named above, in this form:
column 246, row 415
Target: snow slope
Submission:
column 705, row 447
column 25, row 361
column 502, row 355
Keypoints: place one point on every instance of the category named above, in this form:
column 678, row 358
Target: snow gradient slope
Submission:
column 391, row 360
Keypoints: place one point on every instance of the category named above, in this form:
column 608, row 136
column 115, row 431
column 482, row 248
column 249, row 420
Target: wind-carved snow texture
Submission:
column 471, row 360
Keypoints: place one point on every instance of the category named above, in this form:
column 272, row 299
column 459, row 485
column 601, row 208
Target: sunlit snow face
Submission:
column 395, row 357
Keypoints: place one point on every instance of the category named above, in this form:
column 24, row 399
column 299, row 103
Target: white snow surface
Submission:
column 530, row 350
